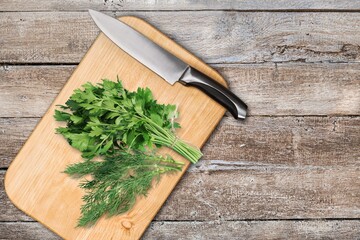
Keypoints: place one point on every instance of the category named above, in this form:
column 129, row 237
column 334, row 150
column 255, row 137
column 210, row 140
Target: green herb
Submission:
column 115, row 182
column 106, row 117
column 121, row 126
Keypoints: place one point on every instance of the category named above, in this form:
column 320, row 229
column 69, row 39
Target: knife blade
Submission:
column 165, row 64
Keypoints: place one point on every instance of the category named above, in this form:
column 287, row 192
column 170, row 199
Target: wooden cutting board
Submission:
column 35, row 182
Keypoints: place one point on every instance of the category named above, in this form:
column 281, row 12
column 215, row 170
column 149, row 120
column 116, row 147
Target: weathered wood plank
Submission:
column 45, row 37
column 291, row 141
column 217, row 189
column 121, row 5
column 8, row 212
column 239, row 190
column 213, row 230
column 268, row 89
column 296, row 89
column 13, row 134
column 216, row 36
column 259, row 144
column 254, row 230
column 288, row 141
column 30, row 89
column 26, row 230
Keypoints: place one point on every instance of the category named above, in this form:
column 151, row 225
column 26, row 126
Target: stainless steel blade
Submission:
column 140, row 47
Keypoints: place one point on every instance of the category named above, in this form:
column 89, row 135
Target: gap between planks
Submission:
column 194, row 10
column 180, row 5
column 235, row 220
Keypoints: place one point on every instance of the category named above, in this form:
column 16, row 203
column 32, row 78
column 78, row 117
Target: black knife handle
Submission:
column 216, row 91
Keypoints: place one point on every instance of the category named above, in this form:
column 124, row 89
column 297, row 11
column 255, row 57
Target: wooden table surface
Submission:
column 291, row 170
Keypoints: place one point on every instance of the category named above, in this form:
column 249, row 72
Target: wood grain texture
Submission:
column 262, row 144
column 269, row 89
column 8, row 212
column 287, row 141
column 268, row 230
column 35, row 182
column 30, row 89
column 120, row 5
column 240, row 190
column 25, row 230
column 13, row 134
column 233, row 190
column 215, row 36
column 232, row 230
column 291, row 141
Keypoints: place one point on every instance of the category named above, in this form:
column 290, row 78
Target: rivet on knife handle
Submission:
column 216, row 91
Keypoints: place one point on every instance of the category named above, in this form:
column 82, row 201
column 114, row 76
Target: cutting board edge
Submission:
column 27, row 213
column 9, row 170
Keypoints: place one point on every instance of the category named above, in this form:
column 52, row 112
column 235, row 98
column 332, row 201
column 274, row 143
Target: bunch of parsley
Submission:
column 107, row 117
column 123, row 128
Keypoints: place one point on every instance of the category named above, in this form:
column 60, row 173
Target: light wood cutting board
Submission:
column 34, row 181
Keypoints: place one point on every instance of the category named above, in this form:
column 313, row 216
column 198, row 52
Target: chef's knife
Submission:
column 164, row 64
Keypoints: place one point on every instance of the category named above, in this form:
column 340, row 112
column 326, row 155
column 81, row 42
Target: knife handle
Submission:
column 216, row 91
